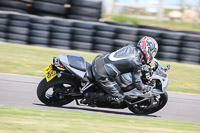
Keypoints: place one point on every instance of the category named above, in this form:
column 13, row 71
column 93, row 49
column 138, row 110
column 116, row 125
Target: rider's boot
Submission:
column 92, row 97
column 115, row 100
column 115, row 93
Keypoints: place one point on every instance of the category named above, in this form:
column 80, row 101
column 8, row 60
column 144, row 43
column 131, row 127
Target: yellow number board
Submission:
column 50, row 74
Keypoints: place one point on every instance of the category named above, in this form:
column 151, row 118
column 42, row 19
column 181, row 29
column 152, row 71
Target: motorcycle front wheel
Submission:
column 50, row 93
column 149, row 107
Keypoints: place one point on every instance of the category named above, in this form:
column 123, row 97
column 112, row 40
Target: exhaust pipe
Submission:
column 156, row 92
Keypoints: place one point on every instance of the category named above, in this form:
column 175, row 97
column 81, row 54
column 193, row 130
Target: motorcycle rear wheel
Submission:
column 54, row 87
column 141, row 110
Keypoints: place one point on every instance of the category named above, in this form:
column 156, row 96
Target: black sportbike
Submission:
column 70, row 78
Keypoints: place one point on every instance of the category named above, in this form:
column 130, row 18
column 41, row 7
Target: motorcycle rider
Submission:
column 129, row 58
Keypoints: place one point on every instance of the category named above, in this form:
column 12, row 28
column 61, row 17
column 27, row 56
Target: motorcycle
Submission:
column 71, row 78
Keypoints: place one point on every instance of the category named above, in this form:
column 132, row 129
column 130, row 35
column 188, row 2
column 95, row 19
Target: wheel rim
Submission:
column 149, row 106
column 54, row 93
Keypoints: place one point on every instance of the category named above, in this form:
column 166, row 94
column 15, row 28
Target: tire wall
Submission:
column 73, row 32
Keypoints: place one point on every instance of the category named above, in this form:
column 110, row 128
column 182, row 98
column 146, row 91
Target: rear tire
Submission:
column 138, row 109
column 44, row 86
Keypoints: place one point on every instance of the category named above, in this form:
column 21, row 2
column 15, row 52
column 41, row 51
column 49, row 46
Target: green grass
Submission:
column 176, row 26
column 23, row 120
column 30, row 60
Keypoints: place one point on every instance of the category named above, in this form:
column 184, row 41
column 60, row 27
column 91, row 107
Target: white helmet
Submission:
column 149, row 48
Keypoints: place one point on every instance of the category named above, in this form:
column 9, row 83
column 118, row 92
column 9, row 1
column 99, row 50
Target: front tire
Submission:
column 145, row 108
column 55, row 86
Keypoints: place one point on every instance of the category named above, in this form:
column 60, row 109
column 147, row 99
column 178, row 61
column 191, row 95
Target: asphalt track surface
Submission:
column 20, row 91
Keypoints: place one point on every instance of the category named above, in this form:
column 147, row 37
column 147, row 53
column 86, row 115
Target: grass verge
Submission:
column 175, row 26
column 31, row 60
column 23, row 120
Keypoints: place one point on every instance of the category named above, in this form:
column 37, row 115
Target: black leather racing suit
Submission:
column 108, row 66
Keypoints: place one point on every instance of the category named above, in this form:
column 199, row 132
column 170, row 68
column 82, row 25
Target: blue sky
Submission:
column 166, row 2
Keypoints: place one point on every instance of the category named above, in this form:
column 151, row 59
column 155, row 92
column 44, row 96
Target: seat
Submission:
column 77, row 62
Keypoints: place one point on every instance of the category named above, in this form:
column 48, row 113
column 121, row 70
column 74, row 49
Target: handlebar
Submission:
column 156, row 66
